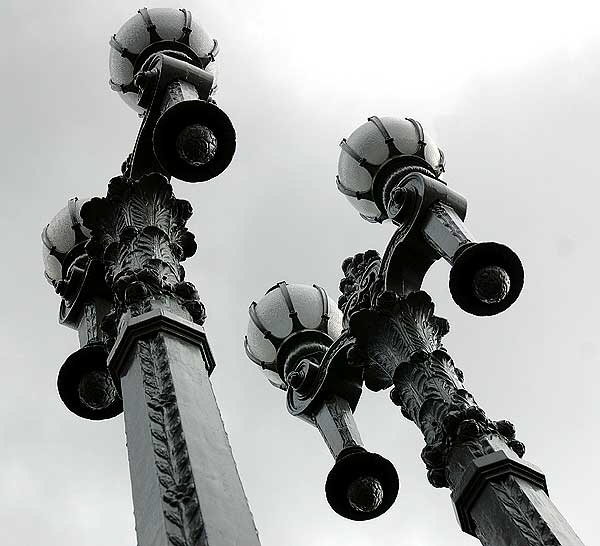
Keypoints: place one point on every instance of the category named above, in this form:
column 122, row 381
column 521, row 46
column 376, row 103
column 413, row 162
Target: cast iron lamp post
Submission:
column 389, row 169
column 116, row 263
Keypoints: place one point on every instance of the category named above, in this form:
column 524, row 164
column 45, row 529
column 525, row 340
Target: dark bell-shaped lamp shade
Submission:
column 361, row 485
column 85, row 385
column 486, row 278
column 194, row 140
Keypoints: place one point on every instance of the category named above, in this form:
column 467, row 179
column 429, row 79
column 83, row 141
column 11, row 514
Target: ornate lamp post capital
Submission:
column 138, row 232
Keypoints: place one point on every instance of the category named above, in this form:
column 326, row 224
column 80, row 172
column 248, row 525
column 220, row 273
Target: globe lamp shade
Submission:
column 285, row 311
column 60, row 236
column 373, row 151
column 150, row 31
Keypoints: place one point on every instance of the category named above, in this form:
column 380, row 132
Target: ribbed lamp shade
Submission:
column 372, row 149
column 150, row 31
column 63, row 233
column 282, row 312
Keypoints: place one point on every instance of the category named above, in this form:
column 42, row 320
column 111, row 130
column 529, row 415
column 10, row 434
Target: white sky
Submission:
column 510, row 92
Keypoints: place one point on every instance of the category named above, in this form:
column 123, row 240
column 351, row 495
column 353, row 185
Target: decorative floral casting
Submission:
column 361, row 283
column 138, row 232
column 531, row 525
column 399, row 344
column 180, row 502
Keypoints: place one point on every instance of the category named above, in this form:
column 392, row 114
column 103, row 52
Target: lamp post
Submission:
column 116, row 263
column 389, row 169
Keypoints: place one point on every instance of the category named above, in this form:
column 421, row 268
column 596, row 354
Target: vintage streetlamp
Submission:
column 389, row 169
column 116, row 263
column 294, row 336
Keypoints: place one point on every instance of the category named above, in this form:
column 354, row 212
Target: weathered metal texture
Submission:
column 498, row 497
column 515, row 511
column 444, row 231
column 138, row 232
column 186, row 489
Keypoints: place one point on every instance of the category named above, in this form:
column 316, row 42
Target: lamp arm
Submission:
column 165, row 79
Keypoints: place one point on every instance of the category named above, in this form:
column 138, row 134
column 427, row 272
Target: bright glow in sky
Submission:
column 509, row 90
column 429, row 50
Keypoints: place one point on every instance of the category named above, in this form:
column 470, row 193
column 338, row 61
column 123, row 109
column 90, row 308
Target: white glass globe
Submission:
column 135, row 38
column 272, row 313
column 367, row 149
column 60, row 236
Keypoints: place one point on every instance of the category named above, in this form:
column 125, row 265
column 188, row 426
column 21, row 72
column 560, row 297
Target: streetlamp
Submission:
column 116, row 263
column 389, row 169
column 294, row 336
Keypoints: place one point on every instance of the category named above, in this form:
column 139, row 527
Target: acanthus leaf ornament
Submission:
column 398, row 341
column 138, row 232
column 180, row 502
column 534, row 530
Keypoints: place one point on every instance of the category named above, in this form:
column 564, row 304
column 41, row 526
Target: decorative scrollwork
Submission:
column 361, row 283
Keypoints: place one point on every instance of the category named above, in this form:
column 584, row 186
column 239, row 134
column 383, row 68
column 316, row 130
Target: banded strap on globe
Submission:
column 286, row 311
column 376, row 149
column 149, row 32
column 295, row 336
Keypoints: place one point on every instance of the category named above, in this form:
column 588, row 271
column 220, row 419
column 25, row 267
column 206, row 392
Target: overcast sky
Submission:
column 510, row 92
